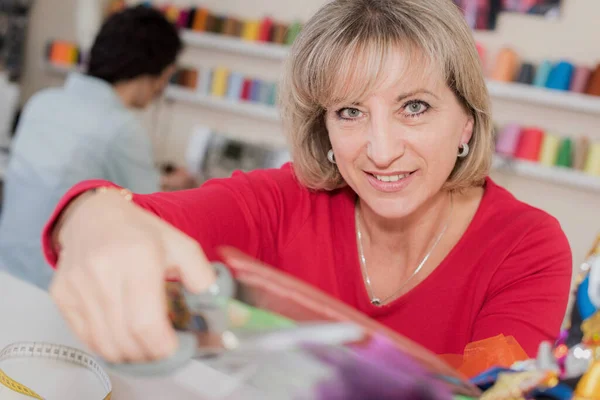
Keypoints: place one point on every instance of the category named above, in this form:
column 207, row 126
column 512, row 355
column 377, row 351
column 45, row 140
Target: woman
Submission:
column 387, row 204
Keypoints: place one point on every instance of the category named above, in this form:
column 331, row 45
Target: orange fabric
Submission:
column 497, row 351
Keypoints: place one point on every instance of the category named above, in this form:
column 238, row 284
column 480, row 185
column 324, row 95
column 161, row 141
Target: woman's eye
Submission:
column 415, row 108
column 349, row 113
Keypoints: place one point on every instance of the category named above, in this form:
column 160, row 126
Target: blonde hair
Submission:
column 324, row 64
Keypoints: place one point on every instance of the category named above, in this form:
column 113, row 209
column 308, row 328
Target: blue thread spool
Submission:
column 255, row 90
column 543, row 72
column 234, row 87
column 205, row 78
column 560, row 77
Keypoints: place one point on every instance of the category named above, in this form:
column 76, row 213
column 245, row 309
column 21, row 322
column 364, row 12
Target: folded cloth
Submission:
column 497, row 351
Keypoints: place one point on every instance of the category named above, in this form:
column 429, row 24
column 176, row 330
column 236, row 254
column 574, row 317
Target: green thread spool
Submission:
column 293, row 31
column 565, row 154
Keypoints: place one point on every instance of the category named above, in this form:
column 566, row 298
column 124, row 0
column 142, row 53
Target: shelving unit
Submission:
column 234, row 45
column 558, row 175
column 176, row 93
column 545, row 97
column 502, row 90
column 527, row 94
column 247, row 109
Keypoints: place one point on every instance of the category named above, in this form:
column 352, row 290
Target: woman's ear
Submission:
column 468, row 130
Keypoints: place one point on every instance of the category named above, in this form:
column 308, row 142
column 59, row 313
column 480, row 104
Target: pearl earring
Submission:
column 330, row 156
column 464, row 150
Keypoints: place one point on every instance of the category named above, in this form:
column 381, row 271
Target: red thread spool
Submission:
column 530, row 144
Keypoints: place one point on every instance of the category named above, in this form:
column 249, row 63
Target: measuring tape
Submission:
column 54, row 352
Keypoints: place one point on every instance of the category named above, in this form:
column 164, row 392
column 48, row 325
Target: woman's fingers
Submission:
column 185, row 256
column 146, row 308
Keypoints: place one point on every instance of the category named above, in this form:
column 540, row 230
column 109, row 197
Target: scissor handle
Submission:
column 214, row 297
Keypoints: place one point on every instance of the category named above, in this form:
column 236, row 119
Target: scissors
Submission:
column 204, row 329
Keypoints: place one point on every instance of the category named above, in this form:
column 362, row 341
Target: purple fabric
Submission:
column 378, row 371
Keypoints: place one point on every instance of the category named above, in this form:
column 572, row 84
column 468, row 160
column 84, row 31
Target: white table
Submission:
column 28, row 314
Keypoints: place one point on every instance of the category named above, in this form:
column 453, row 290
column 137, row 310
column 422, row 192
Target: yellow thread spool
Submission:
column 172, row 13
column 219, row 83
column 250, row 30
column 549, row 150
column 592, row 164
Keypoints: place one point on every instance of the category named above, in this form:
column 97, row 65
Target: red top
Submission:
column 509, row 274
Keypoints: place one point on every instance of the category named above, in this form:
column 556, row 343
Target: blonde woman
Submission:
column 387, row 205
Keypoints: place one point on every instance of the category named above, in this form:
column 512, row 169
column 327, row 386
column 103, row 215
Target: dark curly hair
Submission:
column 134, row 42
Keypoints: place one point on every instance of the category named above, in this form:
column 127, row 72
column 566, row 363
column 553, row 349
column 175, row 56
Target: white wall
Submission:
column 573, row 37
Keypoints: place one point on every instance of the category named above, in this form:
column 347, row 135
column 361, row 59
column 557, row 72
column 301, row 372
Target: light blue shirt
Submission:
column 66, row 135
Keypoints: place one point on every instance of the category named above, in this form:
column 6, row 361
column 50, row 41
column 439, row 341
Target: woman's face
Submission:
column 397, row 147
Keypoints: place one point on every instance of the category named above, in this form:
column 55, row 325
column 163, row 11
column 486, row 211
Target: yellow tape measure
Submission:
column 50, row 351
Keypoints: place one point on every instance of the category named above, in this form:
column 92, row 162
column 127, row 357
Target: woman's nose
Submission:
column 385, row 144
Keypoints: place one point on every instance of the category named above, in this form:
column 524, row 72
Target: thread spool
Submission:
column 234, row 87
column 526, row 74
column 189, row 78
column 549, row 151
column 506, row 65
column 205, row 80
column 218, row 24
column 542, row 74
column 565, row 153
column 254, row 90
column 582, row 147
column 592, row 165
column 211, row 22
column 183, row 19
column 219, row 82
column 263, row 93
column 593, row 87
column 191, row 18
column 278, row 33
column 273, row 95
column 200, row 20
column 232, row 27
column 560, row 76
column 581, row 77
column 172, row 14
column 293, row 32
column 508, row 140
column 246, row 89
column 530, row 144
column 264, row 30
column 250, row 30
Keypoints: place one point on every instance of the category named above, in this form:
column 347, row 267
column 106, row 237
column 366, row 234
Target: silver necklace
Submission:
column 376, row 301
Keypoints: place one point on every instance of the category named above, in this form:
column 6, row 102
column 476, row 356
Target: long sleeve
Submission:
column 130, row 161
column 243, row 211
column 529, row 292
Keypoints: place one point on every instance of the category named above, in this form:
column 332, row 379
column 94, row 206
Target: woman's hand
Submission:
column 110, row 278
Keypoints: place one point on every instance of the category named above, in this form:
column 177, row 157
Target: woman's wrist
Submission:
column 75, row 204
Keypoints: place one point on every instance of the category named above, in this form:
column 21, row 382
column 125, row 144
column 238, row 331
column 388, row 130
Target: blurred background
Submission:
column 218, row 113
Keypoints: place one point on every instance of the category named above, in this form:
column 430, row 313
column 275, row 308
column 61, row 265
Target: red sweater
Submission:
column 509, row 274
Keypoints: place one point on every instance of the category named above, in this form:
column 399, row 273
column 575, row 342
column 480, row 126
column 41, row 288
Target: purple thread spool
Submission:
column 508, row 140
